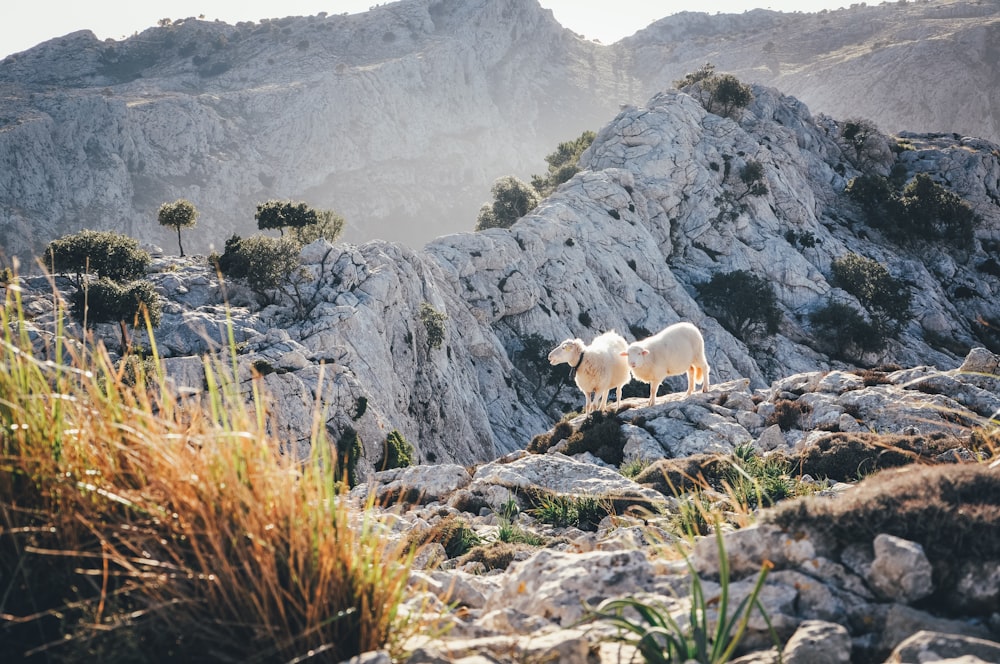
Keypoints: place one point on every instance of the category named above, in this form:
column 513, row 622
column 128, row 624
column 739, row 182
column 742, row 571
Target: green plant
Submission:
column 279, row 215
column 722, row 94
column 103, row 253
column 562, row 163
column 179, row 214
column 349, row 450
column 512, row 199
column 328, row 226
column 583, row 512
column 105, row 301
column 754, row 481
column 601, row 435
column 632, row 467
column 843, row 332
column 266, row 264
column 434, row 324
column 886, row 298
column 932, row 212
column 397, row 452
column 662, row 639
column 744, row 303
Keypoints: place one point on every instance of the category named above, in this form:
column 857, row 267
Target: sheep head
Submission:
column 568, row 351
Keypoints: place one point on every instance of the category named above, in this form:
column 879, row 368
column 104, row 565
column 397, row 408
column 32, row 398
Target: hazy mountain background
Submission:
column 402, row 117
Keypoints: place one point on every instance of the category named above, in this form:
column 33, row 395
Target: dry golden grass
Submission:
column 138, row 526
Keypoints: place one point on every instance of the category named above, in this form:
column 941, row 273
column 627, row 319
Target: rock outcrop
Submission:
column 624, row 245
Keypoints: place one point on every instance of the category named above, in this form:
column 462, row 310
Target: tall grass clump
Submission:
column 139, row 526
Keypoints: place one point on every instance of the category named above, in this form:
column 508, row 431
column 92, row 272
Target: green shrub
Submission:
column 328, row 226
column 279, row 215
column 601, row 435
column 494, row 555
column 512, row 199
column 583, row 512
column 755, row 481
column 844, row 333
column 886, row 298
column 930, row 211
column 722, row 94
column 452, row 532
column 349, row 450
column 103, row 253
column 562, row 164
column 105, row 301
column 397, row 452
column 434, row 324
column 743, row 303
column 543, row 441
column 266, row 264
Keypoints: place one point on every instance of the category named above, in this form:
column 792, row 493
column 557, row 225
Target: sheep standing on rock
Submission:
column 677, row 349
column 597, row 368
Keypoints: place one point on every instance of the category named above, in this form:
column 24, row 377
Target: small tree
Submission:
column 103, row 253
column 279, row 215
column 265, row 263
column 753, row 179
column 932, row 212
column 722, row 94
column 844, row 333
column 329, row 226
column 105, row 301
column 179, row 214
column 743, row 303
column 866, row 145
column 398, row 453
column 512, row 199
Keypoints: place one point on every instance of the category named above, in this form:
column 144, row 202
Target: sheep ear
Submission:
column 645, row 351
column 624, row 353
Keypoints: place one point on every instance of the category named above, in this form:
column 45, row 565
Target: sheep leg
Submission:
column 690, row 373
column 653, row 387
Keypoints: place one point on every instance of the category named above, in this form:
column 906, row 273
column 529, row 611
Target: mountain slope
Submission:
column 401, row 118
column 623, row 245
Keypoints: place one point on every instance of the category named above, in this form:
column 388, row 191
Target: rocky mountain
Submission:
column 627, row 244
column 402, row 117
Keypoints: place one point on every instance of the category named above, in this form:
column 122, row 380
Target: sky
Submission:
column 30, row 22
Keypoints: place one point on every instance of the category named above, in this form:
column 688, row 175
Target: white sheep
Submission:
column 676, row 349
column 597, row 368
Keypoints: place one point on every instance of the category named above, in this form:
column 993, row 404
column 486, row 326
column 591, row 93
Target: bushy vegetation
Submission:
column 744, row 303
column 266, row 264
column 434, row 325
column 886, row 298
column 722, row 94
column 562, row 511
column 140, row 526
column 397, row 453
column 102, row 253
column 922, row 210
column 844, row 333
column 105, row 301
column 512, row 199
column 563, row 164
column 305, row 223
column 863, row 143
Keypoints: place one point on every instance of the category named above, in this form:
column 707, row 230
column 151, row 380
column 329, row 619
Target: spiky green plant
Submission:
column 708, row 637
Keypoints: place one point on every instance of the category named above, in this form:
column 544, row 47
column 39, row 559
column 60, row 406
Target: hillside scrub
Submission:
column 137, row 525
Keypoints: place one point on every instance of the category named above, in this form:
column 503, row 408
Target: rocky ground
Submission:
column 872, row 564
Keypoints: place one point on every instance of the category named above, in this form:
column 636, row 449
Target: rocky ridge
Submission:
column 402, row 117
column 622, row 246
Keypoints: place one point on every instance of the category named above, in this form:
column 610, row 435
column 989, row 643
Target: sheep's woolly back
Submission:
column 671, row 352
column 600, row 367
column 603, row 366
